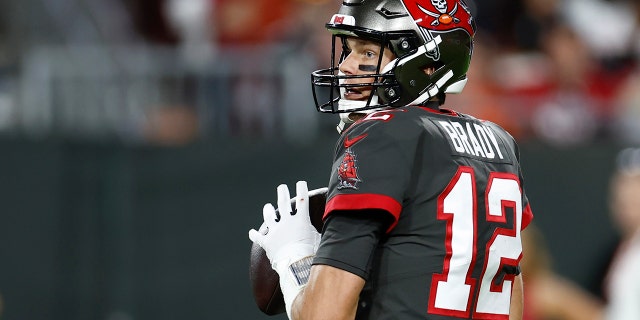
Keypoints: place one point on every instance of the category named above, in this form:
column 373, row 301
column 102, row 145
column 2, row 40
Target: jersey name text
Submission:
column 472, row 139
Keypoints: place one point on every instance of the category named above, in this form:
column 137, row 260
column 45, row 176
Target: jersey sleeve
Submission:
column 349, row 240
column 372, row 166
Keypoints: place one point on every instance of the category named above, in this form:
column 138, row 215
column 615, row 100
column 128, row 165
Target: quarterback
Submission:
column 425, row 205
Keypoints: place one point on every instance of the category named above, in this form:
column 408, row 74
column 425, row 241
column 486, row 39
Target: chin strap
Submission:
column 344, row 104
column 340, row 126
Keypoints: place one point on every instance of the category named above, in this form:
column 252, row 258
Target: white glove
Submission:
column 289, row 240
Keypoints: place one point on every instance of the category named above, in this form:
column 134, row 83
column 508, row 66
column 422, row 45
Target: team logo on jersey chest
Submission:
column 348, row 169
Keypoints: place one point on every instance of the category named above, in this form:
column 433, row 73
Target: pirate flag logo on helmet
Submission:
column 440, row 15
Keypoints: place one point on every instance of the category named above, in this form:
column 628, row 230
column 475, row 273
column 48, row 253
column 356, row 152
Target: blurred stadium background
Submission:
column 140, row 139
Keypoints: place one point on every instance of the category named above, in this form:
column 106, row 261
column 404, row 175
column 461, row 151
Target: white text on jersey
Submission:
column 473, row 139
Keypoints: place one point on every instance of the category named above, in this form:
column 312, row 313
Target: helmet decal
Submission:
column 343, row 19
column 440, row 15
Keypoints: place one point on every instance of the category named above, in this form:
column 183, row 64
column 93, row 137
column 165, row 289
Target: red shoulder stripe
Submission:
column 364, row 201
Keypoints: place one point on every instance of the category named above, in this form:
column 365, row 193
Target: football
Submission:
column 265, row 281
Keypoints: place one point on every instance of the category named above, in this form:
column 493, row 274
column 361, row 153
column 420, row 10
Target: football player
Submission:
column 425, row 205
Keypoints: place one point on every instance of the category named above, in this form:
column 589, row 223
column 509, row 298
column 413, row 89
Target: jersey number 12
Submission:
column 452, row 291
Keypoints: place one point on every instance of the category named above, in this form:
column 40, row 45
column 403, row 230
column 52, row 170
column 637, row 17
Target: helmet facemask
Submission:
column 336, row 81
column 377, row 78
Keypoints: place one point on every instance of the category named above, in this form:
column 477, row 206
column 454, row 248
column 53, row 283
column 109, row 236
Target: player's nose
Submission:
column 348, row 65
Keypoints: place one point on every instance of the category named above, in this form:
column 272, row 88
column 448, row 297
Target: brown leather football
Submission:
column 265, row 281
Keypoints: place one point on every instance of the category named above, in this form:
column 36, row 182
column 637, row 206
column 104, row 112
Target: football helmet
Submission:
column 435, row 34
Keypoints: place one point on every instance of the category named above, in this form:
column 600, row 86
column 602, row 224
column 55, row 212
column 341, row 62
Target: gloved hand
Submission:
column 289, row 240
column 290, row 236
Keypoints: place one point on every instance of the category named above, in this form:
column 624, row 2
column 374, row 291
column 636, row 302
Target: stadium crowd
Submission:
column 563, row 71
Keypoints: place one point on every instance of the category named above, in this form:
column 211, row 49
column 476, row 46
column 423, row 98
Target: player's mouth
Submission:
column 356, row 93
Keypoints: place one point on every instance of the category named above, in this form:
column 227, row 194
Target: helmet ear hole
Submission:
column 431, row 68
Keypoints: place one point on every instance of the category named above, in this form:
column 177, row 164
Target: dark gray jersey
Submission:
column 454, row 188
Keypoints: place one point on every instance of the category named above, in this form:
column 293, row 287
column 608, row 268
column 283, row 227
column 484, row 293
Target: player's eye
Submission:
column 370, row 54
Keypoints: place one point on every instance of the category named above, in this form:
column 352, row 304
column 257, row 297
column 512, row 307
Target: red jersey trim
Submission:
column 448, row 112
column 364, row 201
column 527, row 216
